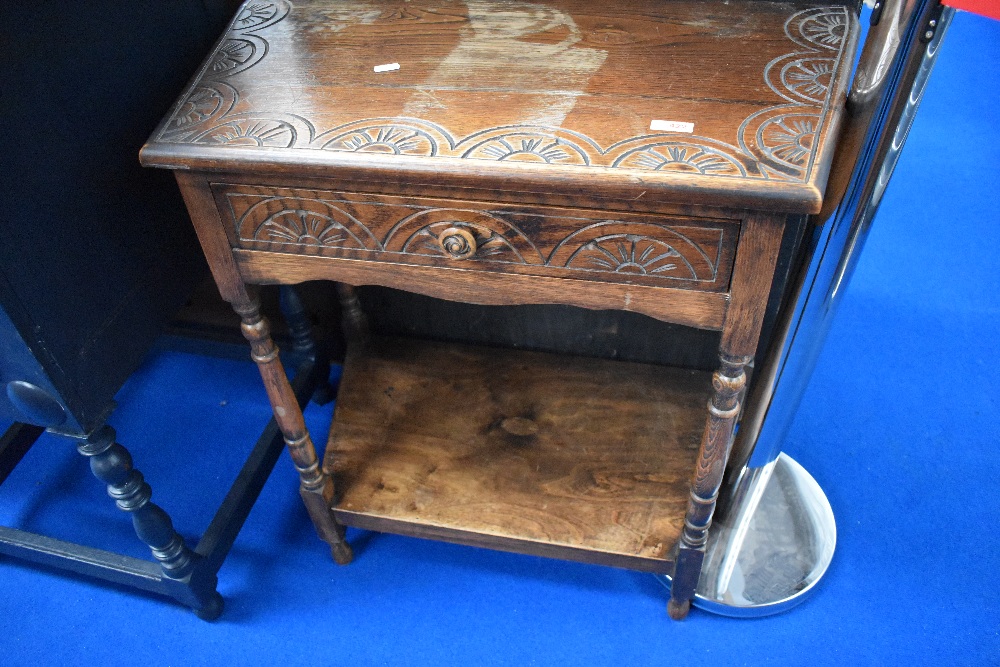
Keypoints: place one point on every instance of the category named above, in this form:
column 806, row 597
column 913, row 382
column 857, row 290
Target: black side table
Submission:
column 89, row 237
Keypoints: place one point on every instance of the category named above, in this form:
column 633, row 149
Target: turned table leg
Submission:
column 316, row 487
column 304, row 342
column 760, row 242
column 112, row 464
column 299, row 326
column 723, row 409
column 354, row 322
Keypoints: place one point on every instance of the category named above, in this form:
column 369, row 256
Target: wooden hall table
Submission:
column 652, row 157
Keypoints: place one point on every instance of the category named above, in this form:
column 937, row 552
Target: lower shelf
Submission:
column 530, row 452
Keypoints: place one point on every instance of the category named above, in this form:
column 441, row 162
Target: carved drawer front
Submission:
column 691, row 253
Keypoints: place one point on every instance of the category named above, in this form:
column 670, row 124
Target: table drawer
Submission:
column 680, row 252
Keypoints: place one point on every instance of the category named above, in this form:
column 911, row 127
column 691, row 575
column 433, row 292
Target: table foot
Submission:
column 324, row 394
column 773, row 548
column 342, row 553
column 678, row 611
column 212, row 610
column 318, row 501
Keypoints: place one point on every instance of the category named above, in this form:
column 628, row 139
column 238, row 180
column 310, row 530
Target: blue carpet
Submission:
column 900, row 428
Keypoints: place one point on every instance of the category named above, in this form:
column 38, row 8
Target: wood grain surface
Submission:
column 212, row 236
column 529, row 452
column 640, row 156
column 686, row 96
column 681, row 252
column 760, row 243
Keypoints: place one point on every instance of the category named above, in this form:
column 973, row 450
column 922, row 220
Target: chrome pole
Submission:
column 774, row 535
column 836, row 243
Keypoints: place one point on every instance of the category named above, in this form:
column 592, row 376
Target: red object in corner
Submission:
column 989, row 8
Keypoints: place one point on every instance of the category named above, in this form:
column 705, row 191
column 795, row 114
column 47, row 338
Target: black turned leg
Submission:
column 304, row 342
column 112, row 464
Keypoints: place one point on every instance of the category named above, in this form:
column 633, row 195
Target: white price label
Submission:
column 671, row 126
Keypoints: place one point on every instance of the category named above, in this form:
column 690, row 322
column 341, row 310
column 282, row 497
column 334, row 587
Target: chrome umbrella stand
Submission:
column 773, row 536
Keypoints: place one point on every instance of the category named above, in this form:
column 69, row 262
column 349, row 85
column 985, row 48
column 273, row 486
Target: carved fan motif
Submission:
column 233, row 54
column 255, row 15
column 789, row 139
column 682, row 158
column 630, row 253
column 299, row 221
column 824, row 29
column 199, row 105
column 809, row 78
column 641, row 248
column 306, row 228
column 533, row 149
column 250, row 132
column 522, row 146
column 675, row 249
column 384, row 139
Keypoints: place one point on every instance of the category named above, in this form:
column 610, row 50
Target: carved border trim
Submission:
column 311, row 221
column 776, row 143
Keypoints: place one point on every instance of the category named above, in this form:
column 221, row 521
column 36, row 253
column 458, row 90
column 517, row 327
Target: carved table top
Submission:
column 696, row 99
column 641, row 155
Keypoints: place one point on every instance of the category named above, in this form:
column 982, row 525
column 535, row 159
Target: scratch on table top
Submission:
column 486, row 53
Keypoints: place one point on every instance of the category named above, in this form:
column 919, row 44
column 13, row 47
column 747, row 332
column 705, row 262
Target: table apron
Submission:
column 703, row 310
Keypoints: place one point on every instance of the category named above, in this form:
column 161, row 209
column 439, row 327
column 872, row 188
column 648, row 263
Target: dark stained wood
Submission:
column 705, row 310
column 15, row 442
column 529, row 452
column 513, row 159
column 618, row 190
column 300, row 328
column 533, row 93
column 354, row 322
column 604, row 334
column 683, row 252
column 112, row 464
column 358, row 180
column 760, row 243
column 728, row 384
column 212, row 236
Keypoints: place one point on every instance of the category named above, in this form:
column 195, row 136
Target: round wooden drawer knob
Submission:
column 457, row 243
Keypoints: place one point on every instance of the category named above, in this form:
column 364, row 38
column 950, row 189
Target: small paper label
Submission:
column 671, row 126
column 386, row 68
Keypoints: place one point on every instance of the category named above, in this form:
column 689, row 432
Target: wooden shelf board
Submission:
column 558, row 456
